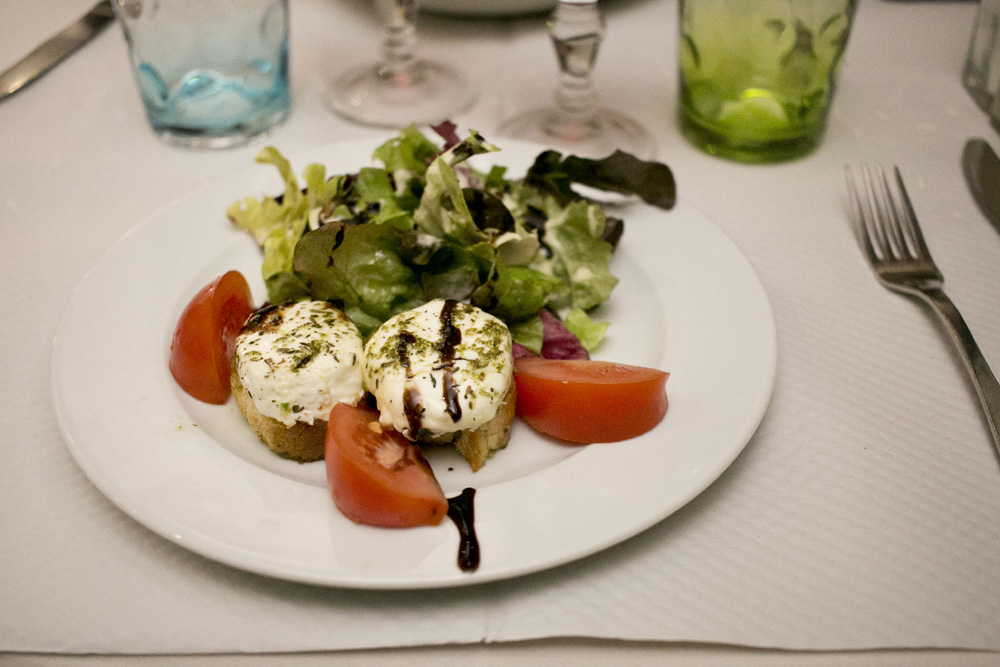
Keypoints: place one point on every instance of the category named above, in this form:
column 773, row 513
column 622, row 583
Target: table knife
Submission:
column 982, row 173
column 55, row 49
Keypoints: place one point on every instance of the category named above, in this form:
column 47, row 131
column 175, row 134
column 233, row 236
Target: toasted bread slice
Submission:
column 478, row 445
column 302, row 442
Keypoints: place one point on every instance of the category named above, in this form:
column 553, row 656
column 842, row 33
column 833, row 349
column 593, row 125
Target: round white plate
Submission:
column 688, row 302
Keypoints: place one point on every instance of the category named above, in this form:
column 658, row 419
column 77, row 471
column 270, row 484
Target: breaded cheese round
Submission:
column 438, row 369
column 299, row 359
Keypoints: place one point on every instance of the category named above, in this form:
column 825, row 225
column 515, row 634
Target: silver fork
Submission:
column 890, row 237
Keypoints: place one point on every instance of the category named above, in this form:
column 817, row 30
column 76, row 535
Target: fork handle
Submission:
column 982, row 377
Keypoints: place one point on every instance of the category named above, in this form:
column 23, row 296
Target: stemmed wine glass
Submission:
column 401, row 89
column 577, row 123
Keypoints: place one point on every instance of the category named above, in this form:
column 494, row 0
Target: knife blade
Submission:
column 55, row 49
column 982, row 173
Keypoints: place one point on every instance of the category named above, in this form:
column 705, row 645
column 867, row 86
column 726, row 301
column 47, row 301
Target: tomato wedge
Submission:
column 377, row 476
column 205, row 338
column 585, row 401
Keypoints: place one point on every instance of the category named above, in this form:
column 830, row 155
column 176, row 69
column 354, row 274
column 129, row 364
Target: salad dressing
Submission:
column 461, row 512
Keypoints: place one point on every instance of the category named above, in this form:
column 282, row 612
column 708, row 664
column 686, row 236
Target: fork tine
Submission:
column 890, row 219
column 863, row 212
column 876, row 214
column 912, row 228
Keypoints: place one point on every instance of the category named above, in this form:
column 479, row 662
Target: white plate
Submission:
column 687, row 302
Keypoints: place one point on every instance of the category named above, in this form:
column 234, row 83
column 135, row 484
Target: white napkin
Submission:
column 863, row 513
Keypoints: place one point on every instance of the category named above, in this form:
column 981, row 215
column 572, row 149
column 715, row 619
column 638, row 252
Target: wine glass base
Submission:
column 427, row 94
column 598, row 135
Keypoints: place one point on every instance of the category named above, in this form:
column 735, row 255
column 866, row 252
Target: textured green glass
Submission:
column 757, row 76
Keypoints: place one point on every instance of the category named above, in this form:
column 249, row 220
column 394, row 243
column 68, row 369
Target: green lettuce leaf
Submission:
column 472, row 145
column 377, row 198
column 520, row 292
column 277, row 223
column 620, row 172
column 358, row 267
column 529, row 333
column 443, row 211
column 407, row 155
column 455, row 271
column 580, row 258
column 589, row 332
column 286, row 286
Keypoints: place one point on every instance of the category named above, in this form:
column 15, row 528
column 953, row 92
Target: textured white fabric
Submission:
column 864, row 513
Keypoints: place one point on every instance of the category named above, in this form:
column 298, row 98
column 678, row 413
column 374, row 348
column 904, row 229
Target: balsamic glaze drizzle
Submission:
column 461, row 511
column 451, row 337
column 411, row 403
column 460, row 508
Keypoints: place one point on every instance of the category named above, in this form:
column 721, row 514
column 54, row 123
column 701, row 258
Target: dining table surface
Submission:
column 857, row 524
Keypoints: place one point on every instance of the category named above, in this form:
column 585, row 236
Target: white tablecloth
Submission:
column 861, row 525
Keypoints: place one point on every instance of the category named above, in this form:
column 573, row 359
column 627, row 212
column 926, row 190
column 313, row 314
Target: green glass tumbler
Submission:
column 757, row 77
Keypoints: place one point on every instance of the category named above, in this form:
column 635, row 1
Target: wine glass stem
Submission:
column 399, row 47
column 577, row 29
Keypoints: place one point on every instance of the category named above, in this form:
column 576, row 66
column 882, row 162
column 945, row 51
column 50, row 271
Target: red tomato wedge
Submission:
column 585, row 401
column 377, row 476
column 205, row 338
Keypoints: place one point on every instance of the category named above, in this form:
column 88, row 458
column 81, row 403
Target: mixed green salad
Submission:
column 427, row 224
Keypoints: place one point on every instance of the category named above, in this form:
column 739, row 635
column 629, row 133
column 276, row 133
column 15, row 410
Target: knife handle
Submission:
column 53, row 50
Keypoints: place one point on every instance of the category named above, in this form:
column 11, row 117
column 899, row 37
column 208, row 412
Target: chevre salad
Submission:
column 423, row 302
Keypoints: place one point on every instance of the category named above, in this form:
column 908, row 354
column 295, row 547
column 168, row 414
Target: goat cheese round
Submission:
column 438, row 369
column 300, row 359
